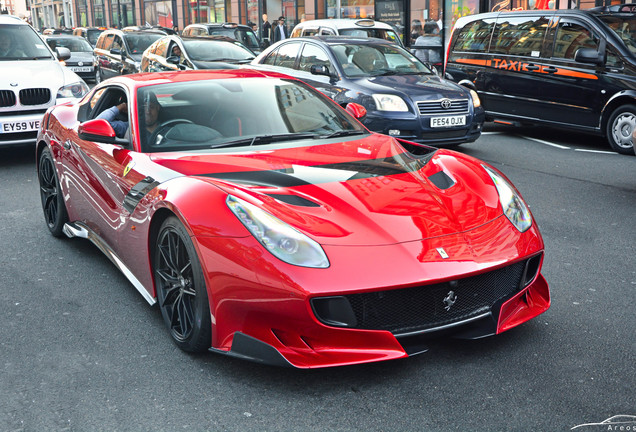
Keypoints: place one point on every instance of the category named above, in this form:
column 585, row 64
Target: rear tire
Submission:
column 55, row 213
column 181, row 288
column 620, row 128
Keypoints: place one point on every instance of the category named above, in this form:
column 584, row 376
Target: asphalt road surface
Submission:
column 81, row 350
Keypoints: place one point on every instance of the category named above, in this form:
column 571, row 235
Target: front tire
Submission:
column 55, row 213
column 620, row 128
column 181, row 288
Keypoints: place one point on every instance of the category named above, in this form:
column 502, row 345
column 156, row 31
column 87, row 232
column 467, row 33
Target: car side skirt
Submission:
column 78, row 229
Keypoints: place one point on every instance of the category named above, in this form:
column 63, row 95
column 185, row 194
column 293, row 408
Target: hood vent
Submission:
column 442, row 180
column 294, row 200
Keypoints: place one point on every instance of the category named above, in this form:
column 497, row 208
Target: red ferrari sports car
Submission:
column 269, row 224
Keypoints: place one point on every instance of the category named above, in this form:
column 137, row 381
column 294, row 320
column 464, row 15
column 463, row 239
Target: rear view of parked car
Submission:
column 566, row 68
column 32, row 79
column 365, row 28
column 119, row 53
column 403, row 97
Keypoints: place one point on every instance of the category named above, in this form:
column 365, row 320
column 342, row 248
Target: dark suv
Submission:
column 240, row 32
column 564, row 68
column 119, row 53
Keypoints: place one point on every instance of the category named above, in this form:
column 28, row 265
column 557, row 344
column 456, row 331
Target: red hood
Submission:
column 368, row 191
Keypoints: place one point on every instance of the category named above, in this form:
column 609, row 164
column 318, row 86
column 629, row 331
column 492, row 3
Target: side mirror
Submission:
column 116, row 51
column 356, row 110
column 173, row 60
column 99, row 130
column 590, row 56
column 63, row 53
column 320, row 70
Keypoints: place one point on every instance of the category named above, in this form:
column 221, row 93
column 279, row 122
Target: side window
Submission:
column 313, row 55
column 519, row 36
column 327, row 31
column 475, row 37
column 570, row 37
column 161, row 48
column 271, row 58
column 108, row 42
column 287, row 55
column 117, row 43
column 309, row 32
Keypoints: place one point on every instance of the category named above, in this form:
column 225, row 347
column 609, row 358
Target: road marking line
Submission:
column 595, row 151
column 546, row 143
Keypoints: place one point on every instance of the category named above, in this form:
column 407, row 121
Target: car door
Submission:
column 312, row 54
column 572, row 90
column 103, row 55
column 514, row 83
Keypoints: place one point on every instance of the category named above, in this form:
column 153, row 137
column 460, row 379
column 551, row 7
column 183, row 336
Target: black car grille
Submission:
column 35, row 96
column 15, row 136
column 7, row 98
column 407, row 310
column 435, row 107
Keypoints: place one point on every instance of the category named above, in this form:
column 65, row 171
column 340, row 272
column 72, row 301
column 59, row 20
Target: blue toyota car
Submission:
column 403, row 96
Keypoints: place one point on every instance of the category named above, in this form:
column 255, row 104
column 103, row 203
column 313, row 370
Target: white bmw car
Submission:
column 32, row 79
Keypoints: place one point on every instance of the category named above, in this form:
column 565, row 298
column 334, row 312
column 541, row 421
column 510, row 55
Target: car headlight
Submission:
column 475, row 96
column 280, row 239
column 389, row 102
column 513, row 206
column 75, row 90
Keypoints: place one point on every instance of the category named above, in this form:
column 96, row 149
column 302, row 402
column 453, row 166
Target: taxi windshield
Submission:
column 624, row 27
column 196, row 115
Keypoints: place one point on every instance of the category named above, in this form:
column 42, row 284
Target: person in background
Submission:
column 280, row 31
column 175, row 29
column 267, row 29
column 430, row 43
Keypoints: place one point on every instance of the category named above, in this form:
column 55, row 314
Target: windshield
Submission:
column 21, row 42
column 73, row 44
column 389, row 35
column 624, row 27
column 137, row 43
column 211, row 50
column 236, row 113
column 374, row 60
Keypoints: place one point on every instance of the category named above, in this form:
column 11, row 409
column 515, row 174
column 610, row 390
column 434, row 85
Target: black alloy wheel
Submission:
column 181, row 289
column 55, row 213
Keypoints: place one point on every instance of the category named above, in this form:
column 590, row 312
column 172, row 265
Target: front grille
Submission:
column 453, row 133
column 23, row 112
column 35, row 96
column 435, row 107
column 420, row 308
column 7, row 98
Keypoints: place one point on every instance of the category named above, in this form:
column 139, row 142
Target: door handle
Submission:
column 550, row 69
column 532, row 67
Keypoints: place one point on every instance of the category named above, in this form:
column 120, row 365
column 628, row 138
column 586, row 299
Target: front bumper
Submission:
column 418, row 129
column 262, row 308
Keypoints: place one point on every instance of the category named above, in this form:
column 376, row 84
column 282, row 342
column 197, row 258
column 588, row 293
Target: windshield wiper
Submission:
column 342, row 133
column 265, row 139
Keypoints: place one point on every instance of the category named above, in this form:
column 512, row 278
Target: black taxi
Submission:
column 564, row 68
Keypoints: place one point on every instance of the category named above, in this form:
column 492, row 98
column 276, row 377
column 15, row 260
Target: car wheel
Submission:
column 620, row 129
column 55, row 213
column 181, row 289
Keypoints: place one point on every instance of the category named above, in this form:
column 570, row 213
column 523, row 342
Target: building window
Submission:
column 159, row 13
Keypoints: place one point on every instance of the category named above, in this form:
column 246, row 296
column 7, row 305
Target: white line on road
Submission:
column 595, row 151
column 546, row 143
